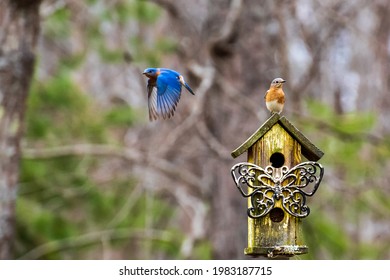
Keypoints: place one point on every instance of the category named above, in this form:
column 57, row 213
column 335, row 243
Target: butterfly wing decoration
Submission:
column 266, row 186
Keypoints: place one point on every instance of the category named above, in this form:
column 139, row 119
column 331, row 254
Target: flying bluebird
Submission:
column 274, row 97
column 164, row 90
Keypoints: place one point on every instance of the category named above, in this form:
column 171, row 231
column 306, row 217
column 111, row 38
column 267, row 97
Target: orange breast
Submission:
column 275, row 94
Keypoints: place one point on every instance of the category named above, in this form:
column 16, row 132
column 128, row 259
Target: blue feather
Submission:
column 168, row 83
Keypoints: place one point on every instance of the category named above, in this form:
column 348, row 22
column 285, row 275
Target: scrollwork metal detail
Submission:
column 266, row 186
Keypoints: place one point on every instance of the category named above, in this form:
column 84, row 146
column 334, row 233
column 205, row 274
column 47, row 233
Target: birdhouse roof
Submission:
column 309, row 150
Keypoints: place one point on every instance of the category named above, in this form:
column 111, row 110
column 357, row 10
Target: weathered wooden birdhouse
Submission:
column 276, row 183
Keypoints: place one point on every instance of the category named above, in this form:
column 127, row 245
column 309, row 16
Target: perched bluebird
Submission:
column 274, row 97
column 164, row 90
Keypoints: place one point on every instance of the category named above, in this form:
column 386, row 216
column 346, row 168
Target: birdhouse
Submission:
column 276, row 184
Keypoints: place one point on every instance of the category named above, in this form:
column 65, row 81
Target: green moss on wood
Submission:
column 309, row 150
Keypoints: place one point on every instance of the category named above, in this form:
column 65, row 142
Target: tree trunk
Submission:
column 19, row 29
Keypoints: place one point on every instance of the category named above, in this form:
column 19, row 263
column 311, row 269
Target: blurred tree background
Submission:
column 99, row 181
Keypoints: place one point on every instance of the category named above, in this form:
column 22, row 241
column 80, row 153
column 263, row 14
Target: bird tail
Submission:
column 188, row 88
column 186, row 85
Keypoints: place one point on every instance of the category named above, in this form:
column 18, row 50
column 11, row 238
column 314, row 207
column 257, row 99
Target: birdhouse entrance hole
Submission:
column 277, row 160
column 276, row 215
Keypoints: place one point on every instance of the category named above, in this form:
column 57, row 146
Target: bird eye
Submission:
column 277, row 82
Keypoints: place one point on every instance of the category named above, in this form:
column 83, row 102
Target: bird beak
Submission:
column 284, row 81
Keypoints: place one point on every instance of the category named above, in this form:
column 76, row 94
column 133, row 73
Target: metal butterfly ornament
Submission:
column 268, row 185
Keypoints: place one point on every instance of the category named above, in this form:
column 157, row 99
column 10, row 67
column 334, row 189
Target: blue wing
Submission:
column 152, row 100
column 168, row 92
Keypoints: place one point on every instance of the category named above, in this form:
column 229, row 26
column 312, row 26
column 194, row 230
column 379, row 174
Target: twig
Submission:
column 124, row 153
column 168, row 6
column 95, row 237
column 126, row 208
column 230, row 24
column 212, row 142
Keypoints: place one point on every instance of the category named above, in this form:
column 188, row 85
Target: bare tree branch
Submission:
column 168, row 6
column 96, row 237
column 128, row 154
column 221, row 44
column 207, row 76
